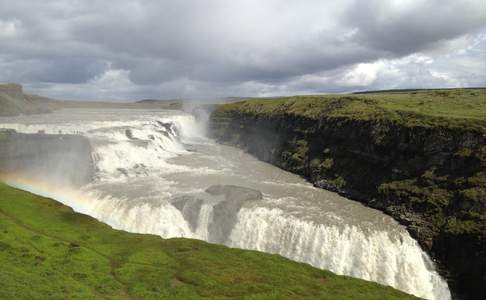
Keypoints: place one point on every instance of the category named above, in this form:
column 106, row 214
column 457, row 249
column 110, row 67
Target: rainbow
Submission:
column 75, row 199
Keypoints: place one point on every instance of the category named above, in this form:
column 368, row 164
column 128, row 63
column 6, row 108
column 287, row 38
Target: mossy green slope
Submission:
column 47, row 251
column 464, row 108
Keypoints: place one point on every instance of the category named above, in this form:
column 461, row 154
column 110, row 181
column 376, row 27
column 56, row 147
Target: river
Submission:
column 157, row 172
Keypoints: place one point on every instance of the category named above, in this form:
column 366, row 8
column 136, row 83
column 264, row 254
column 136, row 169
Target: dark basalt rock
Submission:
column 190, row 208
column 129, row 134
column 227, row 200
column 226, row 211
column 169, row 128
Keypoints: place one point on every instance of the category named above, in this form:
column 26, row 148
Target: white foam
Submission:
column 205, row 216
column 346, row 250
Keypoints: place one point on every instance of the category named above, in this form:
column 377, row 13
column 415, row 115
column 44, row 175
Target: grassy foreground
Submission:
column 47, row 251
column 449, row 108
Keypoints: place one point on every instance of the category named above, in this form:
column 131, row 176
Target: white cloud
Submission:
column 9, row 28
column 110, row 79
column 362, row 74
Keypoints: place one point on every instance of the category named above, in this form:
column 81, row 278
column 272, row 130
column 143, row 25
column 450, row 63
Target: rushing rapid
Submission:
column 156, row 172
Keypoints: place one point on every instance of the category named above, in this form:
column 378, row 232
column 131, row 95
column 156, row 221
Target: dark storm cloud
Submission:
column 216, row 48
column 403, row 27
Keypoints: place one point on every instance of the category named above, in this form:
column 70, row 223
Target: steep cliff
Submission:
column 419, row 157
column 14, row 102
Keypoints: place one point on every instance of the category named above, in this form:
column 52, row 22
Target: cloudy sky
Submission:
column 121, row 50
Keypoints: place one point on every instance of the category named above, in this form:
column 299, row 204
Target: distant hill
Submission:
column 14, row 102
column 157, row 100
column 164, row 103
column 415, row 90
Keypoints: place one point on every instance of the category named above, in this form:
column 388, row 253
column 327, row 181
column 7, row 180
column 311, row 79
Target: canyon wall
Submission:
column 432, row 179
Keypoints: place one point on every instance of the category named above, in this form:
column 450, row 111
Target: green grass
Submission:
column 49, row 252
column 448, row 108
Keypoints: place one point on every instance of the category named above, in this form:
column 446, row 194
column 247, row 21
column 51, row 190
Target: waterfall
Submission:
column 136, row 189
column 375, row 256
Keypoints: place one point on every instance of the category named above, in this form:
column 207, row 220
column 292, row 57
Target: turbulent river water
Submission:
column 152, row 174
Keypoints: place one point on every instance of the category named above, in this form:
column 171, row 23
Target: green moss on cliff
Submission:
column 448, row 108
column 49, row 252
column 431, row 191
column 409, row 190
column 324, row 164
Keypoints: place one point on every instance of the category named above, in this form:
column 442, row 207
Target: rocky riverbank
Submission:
column 425, row 169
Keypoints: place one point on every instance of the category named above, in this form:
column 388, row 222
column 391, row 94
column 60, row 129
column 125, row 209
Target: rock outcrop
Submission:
column 14, row 102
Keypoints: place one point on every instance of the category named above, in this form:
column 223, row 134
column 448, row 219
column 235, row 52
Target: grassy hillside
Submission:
column 49, row 252
column 448, row 108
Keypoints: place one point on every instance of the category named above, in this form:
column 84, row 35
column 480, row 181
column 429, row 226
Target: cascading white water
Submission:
column 205, row 217
column 348, row 250
column 153, row 169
